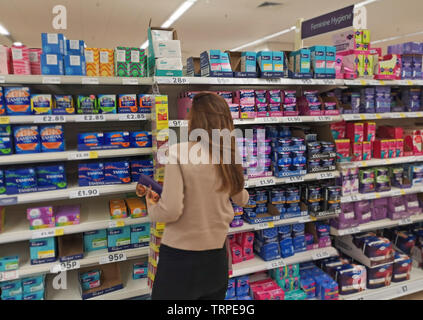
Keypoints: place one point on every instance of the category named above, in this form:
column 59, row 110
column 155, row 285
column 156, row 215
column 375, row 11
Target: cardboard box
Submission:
column 71, row 247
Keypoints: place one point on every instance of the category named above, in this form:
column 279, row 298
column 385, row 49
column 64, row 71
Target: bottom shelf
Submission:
column 131, row 288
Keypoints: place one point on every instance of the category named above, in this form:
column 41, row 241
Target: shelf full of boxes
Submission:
column 172, row 83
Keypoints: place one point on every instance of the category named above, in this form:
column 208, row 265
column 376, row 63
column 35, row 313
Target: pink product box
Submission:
column 234, row 108
column 367, row 151
column 338, row 67
column 400, row 147
column 338, row 130
column 247, row 253
column 231, row 239
column 248, row 112
column 236, row 253
column 260, row 175
column 67, row 215
column 306, row 109
column 369, row 131
column 330, row 109
column 5, row 60
column 355, row 132
column 39, row 212
column 357, row 151
column 184, row 106
column 35, row 60
column 290, row 110
column 263, row 285
column 227, row 95
column 274, row 97
column 20, row 60
column 245, row 239
column 42, row 222
column 324, row 242
column 289, row 97
column 275, row 294
column 245, row 97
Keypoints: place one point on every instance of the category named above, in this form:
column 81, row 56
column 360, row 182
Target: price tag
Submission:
column 377, row 195
column 363, row 82
column 419, row 114
column 39, row 234
column 84, row 193
column 90, row 80
column 403, row 289
column 349, row 231
column 268, row 120
column 223, row 80
column 50, row 119
column 179, row 80
column 382, row 83
column 9, row 201
column 113, row 257
column 293, row 119
column 275, row 264
column 306, row 81
column 363, row 117
column 65, row 266
column 324, row 118
column 2, row 79
column 4, row 120
column 320, row 255
column 329, row 81
column 264, row 225
column 51, row 80
column 130, row 81
column 295, row 179
column 410, row 83
column 325, row 175
column 304, row 219
column 395, row 115
column 378, row 116
column 9, row 275
column 132, row 117
column 412, row 115
column 396, row 193
column 83, row 155
column 371, row 116
column 116, row 223
column 266, row 182
column 91, row 118
column 245, row 184
column 354, row 198
column 405, row 221
column 178, row 123
column 402, row 115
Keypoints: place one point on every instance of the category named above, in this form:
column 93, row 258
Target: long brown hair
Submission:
column 210, row 111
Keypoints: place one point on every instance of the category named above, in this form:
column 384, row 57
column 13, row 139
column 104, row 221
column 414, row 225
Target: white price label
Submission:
column 320, row 255
column 295, row 179
column 181, row 80
column 178, row 123
column 245, row 184
column 273, row 80
column 329, row 81
column 264, row 225
column 266, row 182
column 51, row 80
column 43, row 234
column 405, row 221
column 306, row 81
column 65, row 266
column 220, row 81
column 396, row 193
column 2, row 79
column 324, row 118
column 83, row 155
column 113, row 257
column 293, row 119
column 354, row 198
column 84, row 193
column 412, row 115
column 50, row 119
column 132, row 117
column 371, row 116
column 91, row 118
column 116, row 223
column 268, row 120
column 325, row 175
column 90, row 80
column 350, row 231
column 395, row 115
column 275, row 264
column 9, row 275
column 130, row 81
column 403, row 289
column 304, row 219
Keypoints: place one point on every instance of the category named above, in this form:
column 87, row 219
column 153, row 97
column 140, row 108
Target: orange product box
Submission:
column 118, row 209
column 136, row 208
column 92, row 62
column 106, row 62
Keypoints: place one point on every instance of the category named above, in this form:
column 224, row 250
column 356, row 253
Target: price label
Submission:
column 412, row 115
column 9, row 201
column 405, row 221
column 2, row 79
column 329, row 81
column 90, row 80
column 50, row 119
column 51, row 80
column 9, row 275
column 325, row 175
column 396, row 193
column 350, row 231
column 84, row 193
column 275, row 264
column 116, row 223
column 324, row 118
column 304, row 219
column 403, row 289
column 264, row 225
column 132, row 117
column 4, row 120
column 180, row 80
column 39, row 234
column 295, row 179
column 377, row 195
column 306, row 81
column 130, row 81
column 293, row 119
column 66, row 266
column 382, row 83
column 363, row 117
column 178, row 123
column 363, row 82
column 273, row 80
column 266, row 182
column 410, row 83
column 269, row 120
column 91, row 118
column 354, row 198
column 113, row 257
column 245, row 184
column 320, row 255
column 223, row 80
column 83, row 155
column 419, row 114
column 378, row 116
column 395, row 115
column 371, row 116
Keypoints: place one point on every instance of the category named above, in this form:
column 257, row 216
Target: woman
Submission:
column 195, row 205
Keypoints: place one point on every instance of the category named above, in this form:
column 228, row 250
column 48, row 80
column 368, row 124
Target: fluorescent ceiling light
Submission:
column 398, row 37
column 17, row 43
column 271, row 36
column 4, row 31
column 174, row 17
column 365, row 3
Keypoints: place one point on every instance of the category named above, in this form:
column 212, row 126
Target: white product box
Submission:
column 167, row 49
column 161, row 35
column 169, row 64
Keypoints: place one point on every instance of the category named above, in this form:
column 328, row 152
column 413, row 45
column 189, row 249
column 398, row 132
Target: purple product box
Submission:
column 347, row 217
column 396, row 208
column 289, row 97
column 67, row 215
column 42, row 222
column 367, row 100
column 246, row 97
column 412, row 204
column 39, row 212
column 363, row 211
column 417, row 67
column 379, row 209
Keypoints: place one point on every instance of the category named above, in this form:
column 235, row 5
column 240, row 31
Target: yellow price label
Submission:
column 378, row 116
column 419, row 114
column 364, row 164
column 4, row 120
column 377, row 195
column 388, row 161
column 363, row 82
column 59, row 232
column 402, row 192
column 120, row 223
column 93, row 155
column 402, row 115
column 410, row 83
column 382, row 82
column 244, row 116
column 363, row 117
column 271, row 224
column 313, row 218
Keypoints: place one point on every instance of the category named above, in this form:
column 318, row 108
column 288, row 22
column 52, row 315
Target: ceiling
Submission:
column 209, row 24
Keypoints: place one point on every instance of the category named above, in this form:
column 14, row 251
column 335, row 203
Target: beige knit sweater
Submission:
column 197, row 217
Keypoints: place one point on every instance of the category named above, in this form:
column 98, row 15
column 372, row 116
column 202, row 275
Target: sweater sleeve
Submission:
column 170, row 206
column 241, row 199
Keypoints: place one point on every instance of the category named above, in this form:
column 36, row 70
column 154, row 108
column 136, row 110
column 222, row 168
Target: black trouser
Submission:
column 191, row 275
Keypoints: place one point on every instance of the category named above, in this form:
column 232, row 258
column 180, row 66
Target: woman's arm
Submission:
column 241, row 199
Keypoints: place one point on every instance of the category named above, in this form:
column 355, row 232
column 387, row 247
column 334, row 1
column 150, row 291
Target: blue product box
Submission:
column 63, row 104
column 41, row 103
column 2, row 183
column 42, row 250
column 269, row 251
column 248, row 61
column 117, row 172
column 95, row 240
column 299, row 244
column 265, row 61
column 91, row 174
column 107, row 103
column 20, row 181
column 75, row 65
column 53, row 43
column 90, row 279
column 278, row 61
column 90, row 141
column 141, row 167
column 330, row 60
column 52, row 64
column 17, row 100
column 51, row 177
column 39, row 295
column 224, row 62
column 52, row 138
column 33, row 284
column 9, row 263
column 116, row 140
column 318, row 59
column 140, row 270
column 75, row 47
column 119, row 238
column 242, row 285
column 5, row 130
column 145, row 103
column 286, row 247
column 230, row 292
column 5, row 146
column 211, row 64
column 140, row 233
column 141, row 139
column 11, row 285
column 11, row 289
column 127, row 103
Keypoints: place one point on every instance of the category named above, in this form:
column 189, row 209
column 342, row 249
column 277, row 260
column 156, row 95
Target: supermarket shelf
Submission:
column 74, row 118
column 94, row 216
column 372, row 82
column 376, row 225
column 377, row 116
column 379, row 162
column 395, row 290
column 69, row 193
column 73, row 155
column 376, row 195
column 90, row 259
column 257, row 264
column 268, row 181
column 131, row 288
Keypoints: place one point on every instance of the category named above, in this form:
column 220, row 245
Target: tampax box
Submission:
column 92, row 62
column 116, row 140
column 265, row 61
column 17, row 100
column 145, row 103
column 75, row 47
column 27, row 139
column 52, row 64
column 75, row 65
column 90, row 174
column 107, row 103
column 51, row 177
column 63, row 104
column 95, row 240
column 41, row 103
column 141, row 167
column 119, row 238
column 117, row 209
column 90, row 141
column 117, row 172
column 53, row 43
column 42, row 250
column 249, row 61
column 127, row 103
column 20, row 180
column 140, row 233
column 106, row 62
column 2, row 102
column 87, row 104
column 141, row 139
column 136, row 207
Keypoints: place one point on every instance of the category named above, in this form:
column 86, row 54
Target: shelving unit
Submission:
column 379, row 162
column 377, row 195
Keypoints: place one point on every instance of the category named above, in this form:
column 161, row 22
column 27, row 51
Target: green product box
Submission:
column 87, row 104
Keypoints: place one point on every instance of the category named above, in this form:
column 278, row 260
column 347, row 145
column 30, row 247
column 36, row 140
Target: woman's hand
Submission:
column 151, row 197
column 141, row 190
